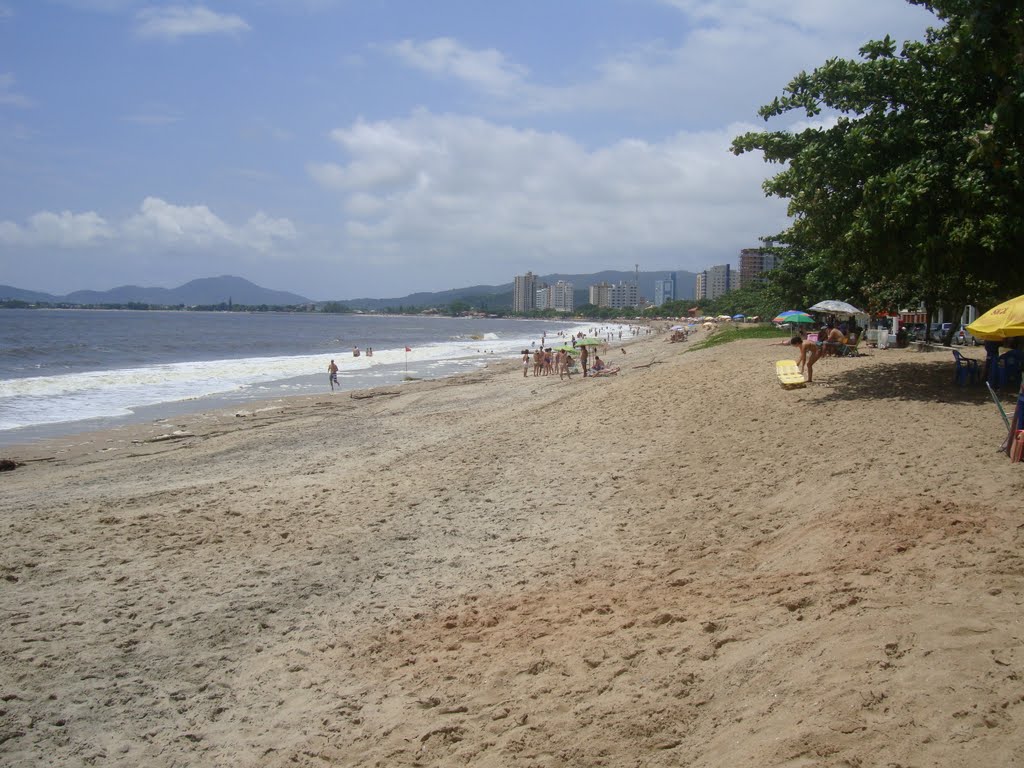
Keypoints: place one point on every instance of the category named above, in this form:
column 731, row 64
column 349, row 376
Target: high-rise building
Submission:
column 665, row 290
column 714, row 282
column 542, row 298
column 561, row 297
column 624, row 295
column 754, row 262
column 718, row 281
column 615, row 296
column 600, row 294
column 524, row 293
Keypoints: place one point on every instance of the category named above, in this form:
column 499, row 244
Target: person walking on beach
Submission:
column 809, row 354
column 332, row 371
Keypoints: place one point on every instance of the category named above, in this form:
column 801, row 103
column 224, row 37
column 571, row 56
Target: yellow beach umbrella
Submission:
column 1001, row 322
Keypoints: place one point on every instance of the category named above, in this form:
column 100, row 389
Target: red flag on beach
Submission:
column 407, row 349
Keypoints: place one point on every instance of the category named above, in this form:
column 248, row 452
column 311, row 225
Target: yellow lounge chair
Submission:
column 789, row 374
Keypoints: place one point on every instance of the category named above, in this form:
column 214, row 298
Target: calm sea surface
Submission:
column 67, row 371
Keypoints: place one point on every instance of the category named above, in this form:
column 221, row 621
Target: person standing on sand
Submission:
column 809, row 354
column 332, row 371
column 583, row 359
column 526, row 362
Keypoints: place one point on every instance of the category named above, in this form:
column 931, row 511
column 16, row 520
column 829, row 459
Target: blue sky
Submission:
column 360, row 148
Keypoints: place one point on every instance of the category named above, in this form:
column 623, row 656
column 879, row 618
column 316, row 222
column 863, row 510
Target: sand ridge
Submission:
column 683, row 564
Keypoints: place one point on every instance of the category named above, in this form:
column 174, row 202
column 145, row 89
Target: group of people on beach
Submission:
column 548, row 362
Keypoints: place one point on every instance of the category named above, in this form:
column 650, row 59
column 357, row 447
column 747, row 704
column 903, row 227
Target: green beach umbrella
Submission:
column 591, row 342
column 794, row 316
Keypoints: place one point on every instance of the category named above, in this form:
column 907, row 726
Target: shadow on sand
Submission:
column 928, row 380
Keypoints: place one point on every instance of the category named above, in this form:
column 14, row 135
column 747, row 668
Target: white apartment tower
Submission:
column 701, row 289
column 615, row 296
column 713, row 282
column 561, row 297
column 524, row 293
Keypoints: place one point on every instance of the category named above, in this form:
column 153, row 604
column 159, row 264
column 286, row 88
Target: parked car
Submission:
column 964, row 337
column 939, row 331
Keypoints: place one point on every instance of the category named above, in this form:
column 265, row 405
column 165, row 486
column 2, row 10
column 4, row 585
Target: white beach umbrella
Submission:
column 835, row 307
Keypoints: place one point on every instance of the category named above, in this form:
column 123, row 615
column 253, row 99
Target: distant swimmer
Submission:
column 355, row 351
column 332, row 370
column 369, row 351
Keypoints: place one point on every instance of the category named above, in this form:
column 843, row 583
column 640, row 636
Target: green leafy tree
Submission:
column 918, row 178
column 335, row 307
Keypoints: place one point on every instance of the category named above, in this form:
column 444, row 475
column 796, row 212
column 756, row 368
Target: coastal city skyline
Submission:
column 337, row 150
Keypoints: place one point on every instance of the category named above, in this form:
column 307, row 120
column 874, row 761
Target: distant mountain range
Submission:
column 207, row 290
column 237, row 290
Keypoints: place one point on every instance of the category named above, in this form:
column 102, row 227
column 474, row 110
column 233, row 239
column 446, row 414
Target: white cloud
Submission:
column 461, row 186
column 65, row 229
column 8, row 96
column 158, row 223
column 161, row 222
column 487, row 70
column 731, row 57
column 869, row 18
column 172, row 22
column 198, row 227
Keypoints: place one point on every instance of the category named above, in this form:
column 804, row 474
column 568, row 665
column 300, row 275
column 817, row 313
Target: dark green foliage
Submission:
column 915, row 191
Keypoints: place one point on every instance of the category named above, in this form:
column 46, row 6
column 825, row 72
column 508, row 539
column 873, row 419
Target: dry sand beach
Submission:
column 682, row 565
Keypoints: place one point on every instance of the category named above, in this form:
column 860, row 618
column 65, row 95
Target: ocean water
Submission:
column 68, row 371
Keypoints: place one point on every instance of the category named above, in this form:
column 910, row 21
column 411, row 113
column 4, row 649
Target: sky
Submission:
column 375, row 148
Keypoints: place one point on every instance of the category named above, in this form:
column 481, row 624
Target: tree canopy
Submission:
column 910, row 187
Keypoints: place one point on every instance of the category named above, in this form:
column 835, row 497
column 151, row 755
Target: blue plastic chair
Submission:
column 967, row 370
column 1008, row 370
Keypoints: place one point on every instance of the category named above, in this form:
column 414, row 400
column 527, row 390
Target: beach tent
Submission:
column 739, row 317
column 1001, row 322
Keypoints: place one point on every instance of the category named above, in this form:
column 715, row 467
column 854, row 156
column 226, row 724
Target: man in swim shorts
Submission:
column 332, row 371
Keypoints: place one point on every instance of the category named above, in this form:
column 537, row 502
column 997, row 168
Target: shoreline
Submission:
column 182, row 419
column 681, row 564
column 386, row 373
